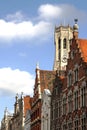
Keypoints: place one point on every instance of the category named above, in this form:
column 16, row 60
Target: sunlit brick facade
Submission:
column 73, row 90
column 44, row 80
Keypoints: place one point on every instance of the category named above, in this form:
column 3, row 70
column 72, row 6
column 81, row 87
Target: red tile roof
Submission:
column 27, row 104
column 83, row 47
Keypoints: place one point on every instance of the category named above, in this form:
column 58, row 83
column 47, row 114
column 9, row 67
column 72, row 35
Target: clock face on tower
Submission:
column 64, row 59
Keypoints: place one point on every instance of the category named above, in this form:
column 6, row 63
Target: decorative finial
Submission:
column 16, row 98
column 37, row 65
column 76, row 27
column 21, row 95
column 76, row 20
column 5, row 112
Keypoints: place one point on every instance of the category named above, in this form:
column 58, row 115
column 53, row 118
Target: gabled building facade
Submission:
column 44, row 80
column 73, row 95
column 5, row 121
column 56, row 103
column 20, row 108
column 60, row 96
column 17, row 119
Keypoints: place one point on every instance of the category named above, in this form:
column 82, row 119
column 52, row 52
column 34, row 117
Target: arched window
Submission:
column 59, row 43
column 64, row 43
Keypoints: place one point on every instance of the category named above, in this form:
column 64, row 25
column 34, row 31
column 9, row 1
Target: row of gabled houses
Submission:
column 17, row 120
column 59, row 99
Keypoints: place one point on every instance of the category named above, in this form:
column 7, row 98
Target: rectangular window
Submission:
column 84, row 124
column 76, row 75
column 76, row 125
column 56, row 109
column 64, row 43
column 64, row 127
column 64, row 106
column 70, row 126
column 76, row 100
column 83, row 97
column 59, row 43
column 70, row 79
column 59, row 108
column 70, row 103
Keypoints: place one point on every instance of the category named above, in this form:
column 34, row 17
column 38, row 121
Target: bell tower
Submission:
column 62, row 39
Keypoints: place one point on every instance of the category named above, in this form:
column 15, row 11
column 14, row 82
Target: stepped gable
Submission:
column 44, row 80
column 58, row 85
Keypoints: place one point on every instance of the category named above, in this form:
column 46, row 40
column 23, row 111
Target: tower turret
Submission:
column 75, row 29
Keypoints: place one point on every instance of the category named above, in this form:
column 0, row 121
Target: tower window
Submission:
column 59, row 43
column 64, row 43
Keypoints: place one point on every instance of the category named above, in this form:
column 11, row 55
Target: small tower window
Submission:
column 64, row 43
column 59, row 43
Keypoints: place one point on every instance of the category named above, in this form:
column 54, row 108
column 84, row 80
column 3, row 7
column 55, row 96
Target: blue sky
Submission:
column 27, row 38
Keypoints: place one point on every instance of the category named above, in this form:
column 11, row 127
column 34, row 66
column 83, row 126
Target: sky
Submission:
column 27, row 39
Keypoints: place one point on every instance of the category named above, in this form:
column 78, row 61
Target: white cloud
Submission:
column 23, row 30
column 49, row 11
column 16, row 17
column 15, row 81
column 60, row 12
column 18, row 27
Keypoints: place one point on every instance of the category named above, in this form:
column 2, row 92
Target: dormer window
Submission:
column 64, row 43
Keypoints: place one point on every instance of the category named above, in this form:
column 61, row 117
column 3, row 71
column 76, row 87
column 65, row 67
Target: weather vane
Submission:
column 76, row 20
